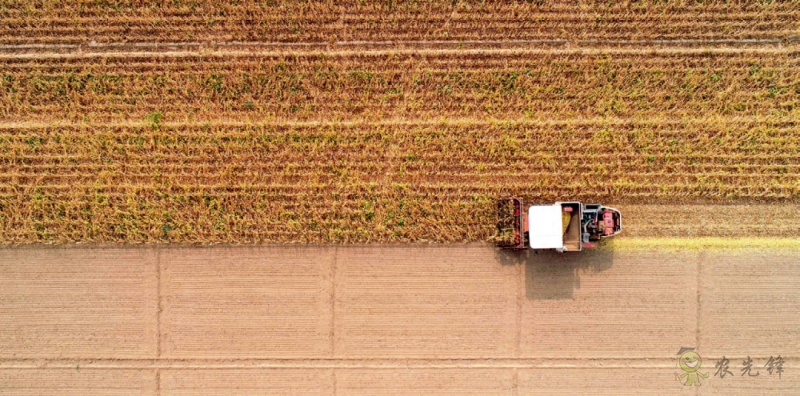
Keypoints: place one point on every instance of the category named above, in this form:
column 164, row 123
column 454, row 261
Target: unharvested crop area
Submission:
column 69, row 22
column 406, row 85
column 365, row 182
column 381, row 146
column 385, row 121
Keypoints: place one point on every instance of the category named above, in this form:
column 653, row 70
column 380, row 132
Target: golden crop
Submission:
column 405, row 85
column 382, row 121
column 84, row 21
column 365, row 181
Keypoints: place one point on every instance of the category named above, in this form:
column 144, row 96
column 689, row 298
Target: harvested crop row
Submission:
column 36, row 21
column 365, row 182
column 409, row 85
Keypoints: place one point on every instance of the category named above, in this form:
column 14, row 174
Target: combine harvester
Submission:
column 563, row 226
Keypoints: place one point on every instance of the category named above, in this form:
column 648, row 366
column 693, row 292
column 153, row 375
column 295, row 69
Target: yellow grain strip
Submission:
column 705, row 243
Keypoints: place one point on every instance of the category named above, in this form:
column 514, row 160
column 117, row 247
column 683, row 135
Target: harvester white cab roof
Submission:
column 563, row 226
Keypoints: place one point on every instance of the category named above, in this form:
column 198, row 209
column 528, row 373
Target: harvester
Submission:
column 563, row 226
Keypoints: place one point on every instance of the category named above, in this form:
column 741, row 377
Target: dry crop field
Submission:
column 365, row 121
column 209, row 121
column 81, row 21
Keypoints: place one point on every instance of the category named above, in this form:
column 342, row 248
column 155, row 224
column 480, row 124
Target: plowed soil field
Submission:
column 392, row 319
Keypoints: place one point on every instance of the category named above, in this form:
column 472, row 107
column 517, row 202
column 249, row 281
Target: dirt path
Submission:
column 395, row 319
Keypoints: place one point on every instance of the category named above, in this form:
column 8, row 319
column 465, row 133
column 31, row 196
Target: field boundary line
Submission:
column 160, row 313
column 698, row 296
column 333, row 300
column 791, row 362
column 622, row 243
column 403, row 121
column 516, row 381
column 343, row 52
column 685, row 42
column 521, row 295
column 393, row 43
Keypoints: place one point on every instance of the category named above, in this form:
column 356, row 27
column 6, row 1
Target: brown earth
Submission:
column 391, row 319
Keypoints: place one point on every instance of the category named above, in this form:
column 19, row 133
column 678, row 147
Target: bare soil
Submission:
column 391, row 319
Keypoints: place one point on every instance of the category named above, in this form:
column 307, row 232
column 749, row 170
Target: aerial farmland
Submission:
column 299, row 197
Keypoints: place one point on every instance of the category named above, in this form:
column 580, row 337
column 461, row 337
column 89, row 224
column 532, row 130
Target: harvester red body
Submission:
column 563, row 226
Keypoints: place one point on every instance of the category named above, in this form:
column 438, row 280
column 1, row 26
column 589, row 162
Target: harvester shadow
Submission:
column 550, row 275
